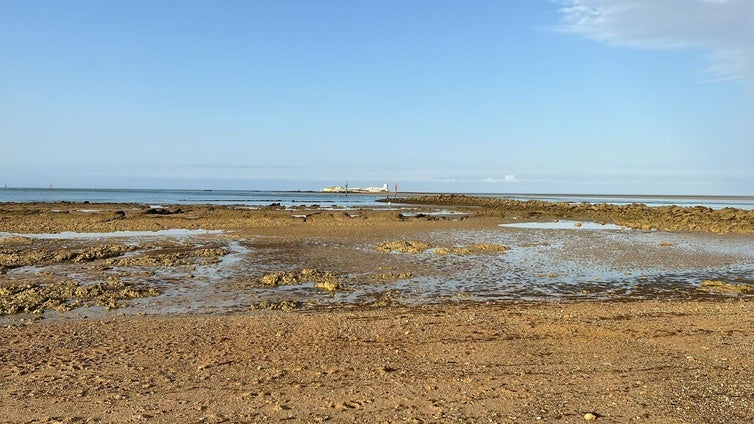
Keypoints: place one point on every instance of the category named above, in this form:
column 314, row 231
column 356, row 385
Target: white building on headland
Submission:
column 339, row 189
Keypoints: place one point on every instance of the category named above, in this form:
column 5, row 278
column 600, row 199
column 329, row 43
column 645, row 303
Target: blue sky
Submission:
column 567, row 96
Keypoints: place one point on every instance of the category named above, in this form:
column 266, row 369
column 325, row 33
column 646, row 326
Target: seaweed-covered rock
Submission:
column 284, row 305
column 479, row 248
column 404, row 246
column 28, row 257
column 322, row 280
column 67, row 295
column 717, row 286
column 635, row 215
column 173, row 257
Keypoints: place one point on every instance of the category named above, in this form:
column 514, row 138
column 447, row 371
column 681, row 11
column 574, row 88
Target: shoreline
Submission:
column 368, row 315
column 638, row 216
column 261, row 198
column 220, row 259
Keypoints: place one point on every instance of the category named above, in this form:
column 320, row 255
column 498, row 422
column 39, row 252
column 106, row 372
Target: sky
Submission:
column 515, row 96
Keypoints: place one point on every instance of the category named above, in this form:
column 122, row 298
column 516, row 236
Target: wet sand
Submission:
column 319, row 315
column 660, row 362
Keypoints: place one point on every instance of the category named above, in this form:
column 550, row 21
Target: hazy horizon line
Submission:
column 389, row 192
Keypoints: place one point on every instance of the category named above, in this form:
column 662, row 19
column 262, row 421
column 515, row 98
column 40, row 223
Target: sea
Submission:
column 158, row 197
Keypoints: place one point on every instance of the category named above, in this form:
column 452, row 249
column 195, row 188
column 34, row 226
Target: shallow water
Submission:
column 542, row 265
column 563, row 225
column 545, row 263
column 292, row 198
column 155, row 198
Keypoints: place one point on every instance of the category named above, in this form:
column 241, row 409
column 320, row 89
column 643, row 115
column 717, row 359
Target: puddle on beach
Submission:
column 563, row 225
column 543, row 264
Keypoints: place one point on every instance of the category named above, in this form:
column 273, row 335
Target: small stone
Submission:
column 330, row 283
column 590, row 416
column 281, row 408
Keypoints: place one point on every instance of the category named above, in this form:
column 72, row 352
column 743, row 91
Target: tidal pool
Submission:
column 563, row 225
column 543, row 263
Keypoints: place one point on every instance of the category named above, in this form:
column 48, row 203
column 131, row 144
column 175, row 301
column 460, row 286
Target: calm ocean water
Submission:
column 187, row 197
column 291, row 198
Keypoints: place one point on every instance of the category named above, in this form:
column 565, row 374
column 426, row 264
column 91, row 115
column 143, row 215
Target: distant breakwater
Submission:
column 635, row 215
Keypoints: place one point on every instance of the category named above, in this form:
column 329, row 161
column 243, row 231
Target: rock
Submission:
column 117, row 216
column 474, row 249
column 636, row 215
column 590, row 416
column 330, row 284
column 718, row 286
column 15, row 240
column 162, row 211
column 322, row 280
column 273, row 279
column 386, row 299
column 284, row 305
column 489, row 248
column 67, row 295
column 403, row 246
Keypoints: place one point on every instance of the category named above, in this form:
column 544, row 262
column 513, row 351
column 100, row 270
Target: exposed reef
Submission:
column 635, row 215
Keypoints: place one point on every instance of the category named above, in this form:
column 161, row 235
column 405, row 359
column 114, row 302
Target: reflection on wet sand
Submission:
column 201, row 271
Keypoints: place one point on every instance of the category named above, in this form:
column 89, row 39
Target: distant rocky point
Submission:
column 346, row 189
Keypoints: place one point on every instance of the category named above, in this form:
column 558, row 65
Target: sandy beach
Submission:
column 437, row 314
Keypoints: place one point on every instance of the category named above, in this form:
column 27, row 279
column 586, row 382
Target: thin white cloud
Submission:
column 724, row 29
column 508, row 178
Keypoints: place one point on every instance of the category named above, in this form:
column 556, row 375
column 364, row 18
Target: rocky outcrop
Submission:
column 635, row 215
column 13, row 258
column 163, row 211
column 322, row 280
column 717, row 286
column 403, row 246
column 67, row 295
